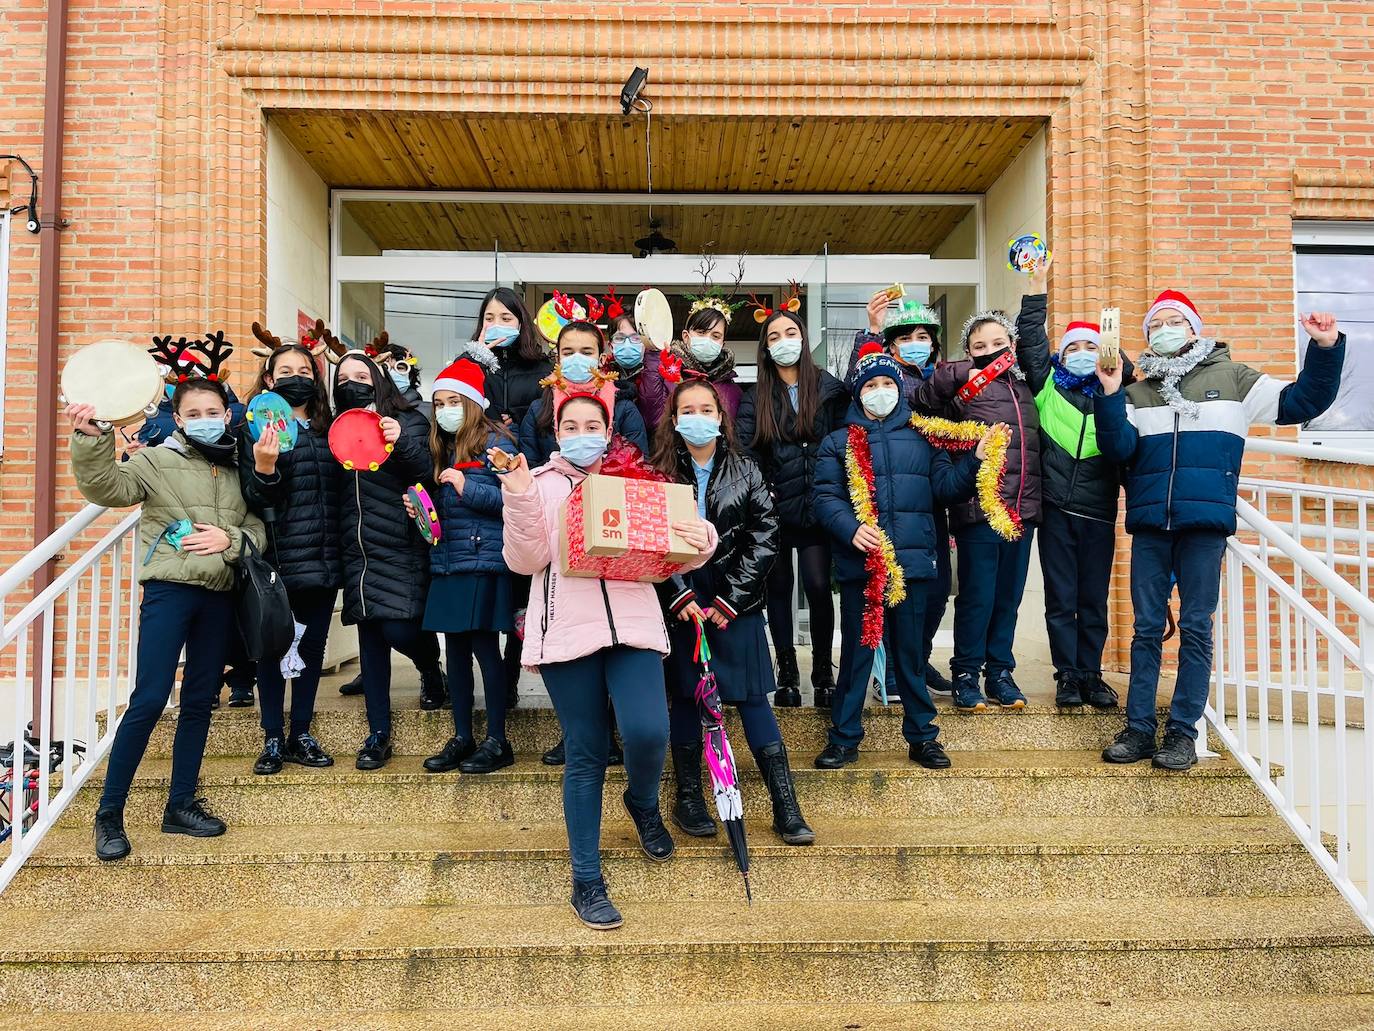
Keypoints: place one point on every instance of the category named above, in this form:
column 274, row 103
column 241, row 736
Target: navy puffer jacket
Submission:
column 912, row 479
column 471, row 526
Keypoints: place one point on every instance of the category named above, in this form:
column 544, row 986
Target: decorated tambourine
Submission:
column 117, row 377
column 355, row 439
column 269, row 409
column 1027, row 254
column 551, row 320
column 426, row 515
column 653, row 317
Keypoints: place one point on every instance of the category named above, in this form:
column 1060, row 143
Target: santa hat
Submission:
column 874, row 361
column 1089, row 331
column 466, row 379
column 1177, row 300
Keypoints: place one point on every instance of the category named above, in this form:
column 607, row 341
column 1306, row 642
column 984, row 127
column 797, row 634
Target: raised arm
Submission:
column 1032, row 342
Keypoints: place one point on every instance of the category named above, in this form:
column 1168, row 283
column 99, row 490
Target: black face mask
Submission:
column 982, row 361
column 352, row 394
column 295, row 390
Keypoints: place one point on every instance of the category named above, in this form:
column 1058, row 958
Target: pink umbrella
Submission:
column 720, row 759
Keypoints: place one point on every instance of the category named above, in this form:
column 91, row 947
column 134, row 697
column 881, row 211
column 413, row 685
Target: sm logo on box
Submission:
column 610, row 520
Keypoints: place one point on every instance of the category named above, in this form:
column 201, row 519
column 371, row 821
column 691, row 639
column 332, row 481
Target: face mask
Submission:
column 1168, row 340
column 169, row 390
column 698, row 429
column 352, row 394
column 880, row 401
column 500, row 336
column 295, row 390
column 577, row 368
column 786, row 351
column 583, row 449
column 450, row 419
column 1081, row 363
column 208, row 430
column 401, row 379
column 914, row 352
column 703, row 349
column 982, row 361
column 629, row 352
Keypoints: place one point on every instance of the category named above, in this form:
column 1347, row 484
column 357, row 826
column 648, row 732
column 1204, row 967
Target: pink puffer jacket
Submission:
column 571, row 616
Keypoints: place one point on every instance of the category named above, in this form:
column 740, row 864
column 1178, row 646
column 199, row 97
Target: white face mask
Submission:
column 450, row 419
column 786, row 351
column 880, row 401
column 704, row 349
column 1167, row 341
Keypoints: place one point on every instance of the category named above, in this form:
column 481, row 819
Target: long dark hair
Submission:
column 469, row 443
column 389, row 401
column 528, row 344
column 543, row 422
column 769, row 425
column 317, row 409
column 668, row 448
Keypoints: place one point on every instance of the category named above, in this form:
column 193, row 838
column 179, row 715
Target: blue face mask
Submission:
column 499, row 336
column 400, row 379
column 698, row 429
column 629, row 352
column 880, row 401
column 704, row 349
column 577, row 368
column 170, row 390
column 583, row 449
column 914, row 352
column 787, row 351
column 208, row 430
column 1081, row 363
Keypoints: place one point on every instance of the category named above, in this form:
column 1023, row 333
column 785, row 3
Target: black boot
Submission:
column 788, row 695
column 110, row 840
column 433, row 691
column 191, row 818
column 654, row 838
column 689, row 809
column 353, row 687
column 787, row 815
column 1097, row 693
column 1068, row 692
column 823, row 685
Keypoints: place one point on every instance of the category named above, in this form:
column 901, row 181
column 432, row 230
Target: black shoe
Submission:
column 1097, row 693
column 192, row 818
column 930, row 754
column 689, row 808
column 653, row 836
column 269, row 762
column 353, row 687
column 554, row 756
column 375, row 753
column 1068, row 691
column 214, row 702
column 616, row 756
column 303, row 750
column 836, row 757
column 1129, row 746
column 787, row 698
column 433, row 692
column 110, row 840
column 937, row 681
column 823, row 687
column 240, row 698
column 1178, row 753
column 592, row 904
column 491, row 755
column 788, row 674
column 455, row 752
column 788, row 821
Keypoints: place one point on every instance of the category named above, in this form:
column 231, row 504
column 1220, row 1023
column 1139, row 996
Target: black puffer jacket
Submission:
column 300, row 505
column 385, row 560
column 739, row 506
column 514, row 384
column 789, row 465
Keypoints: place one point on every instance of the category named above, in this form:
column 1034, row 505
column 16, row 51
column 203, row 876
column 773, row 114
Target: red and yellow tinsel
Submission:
column 964, row 436
column 886, row 585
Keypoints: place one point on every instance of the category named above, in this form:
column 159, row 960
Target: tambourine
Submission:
column 550, row 323
column 269, row 409
column 118, row 377
column 426, row 515
column 653, row 317
column 1027, row 254
column 355, row 439
column 1109, row 339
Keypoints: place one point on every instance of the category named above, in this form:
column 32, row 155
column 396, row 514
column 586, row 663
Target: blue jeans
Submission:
column 1193, row 559
column 760, row 725
column 313, row 608
column 632, row 678
column 171, row 616
column 992, row 578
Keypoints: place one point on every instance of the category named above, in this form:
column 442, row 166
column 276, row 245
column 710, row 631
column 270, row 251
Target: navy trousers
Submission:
column 992, row 578
column 313, row 608
column 1076, row 562
column 376, row 639
column 485, row 646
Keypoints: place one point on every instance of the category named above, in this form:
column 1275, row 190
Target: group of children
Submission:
column 865, row 480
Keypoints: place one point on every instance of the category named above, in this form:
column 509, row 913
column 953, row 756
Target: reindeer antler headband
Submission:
column 792, row 303
column 712, row 296
column 201, row 359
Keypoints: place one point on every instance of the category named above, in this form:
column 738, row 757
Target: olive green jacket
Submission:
column 172, row 481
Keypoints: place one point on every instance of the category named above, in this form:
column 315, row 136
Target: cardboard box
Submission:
column 619, row 529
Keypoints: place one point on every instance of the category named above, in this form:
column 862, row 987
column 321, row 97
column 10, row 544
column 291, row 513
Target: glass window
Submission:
column 1340, row 279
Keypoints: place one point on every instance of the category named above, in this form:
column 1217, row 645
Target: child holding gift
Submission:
column 695, row 445
column 592, row 640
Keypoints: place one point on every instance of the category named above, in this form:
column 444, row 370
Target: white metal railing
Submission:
column 77, row 640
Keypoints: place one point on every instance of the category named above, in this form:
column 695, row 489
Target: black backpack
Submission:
column 264, row 610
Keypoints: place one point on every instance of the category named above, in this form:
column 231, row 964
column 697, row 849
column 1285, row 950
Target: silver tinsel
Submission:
column 1170, row 370
column 1003, row 320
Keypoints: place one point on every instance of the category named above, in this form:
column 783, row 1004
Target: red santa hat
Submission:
column 466, row 379
column 1089, row 331
column 1178, row 301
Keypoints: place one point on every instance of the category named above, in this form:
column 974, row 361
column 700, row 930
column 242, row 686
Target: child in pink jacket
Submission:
column 592, row 640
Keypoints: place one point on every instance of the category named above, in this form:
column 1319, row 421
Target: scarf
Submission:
column 1170, row 370
column 1067, row 381
column 224, row 452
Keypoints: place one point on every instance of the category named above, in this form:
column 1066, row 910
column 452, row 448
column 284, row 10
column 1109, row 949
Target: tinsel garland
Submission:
column 1172, row 369
column 964, row 436
column 886, row 586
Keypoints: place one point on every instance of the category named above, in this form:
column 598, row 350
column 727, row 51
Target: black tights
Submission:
column 813, row 559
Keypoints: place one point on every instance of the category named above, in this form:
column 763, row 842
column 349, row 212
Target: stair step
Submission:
column 880, row 785
column 518, row 863
column 886, row 951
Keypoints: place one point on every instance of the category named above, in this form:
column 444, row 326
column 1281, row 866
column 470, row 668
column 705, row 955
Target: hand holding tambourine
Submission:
column 514, row 468
column 83, row 419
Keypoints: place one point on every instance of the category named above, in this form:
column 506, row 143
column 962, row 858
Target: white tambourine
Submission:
column 118, row 377
column 653, row 317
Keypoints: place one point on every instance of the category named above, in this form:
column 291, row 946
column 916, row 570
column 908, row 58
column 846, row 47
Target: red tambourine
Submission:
column 356, row 440
column 426, row 515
